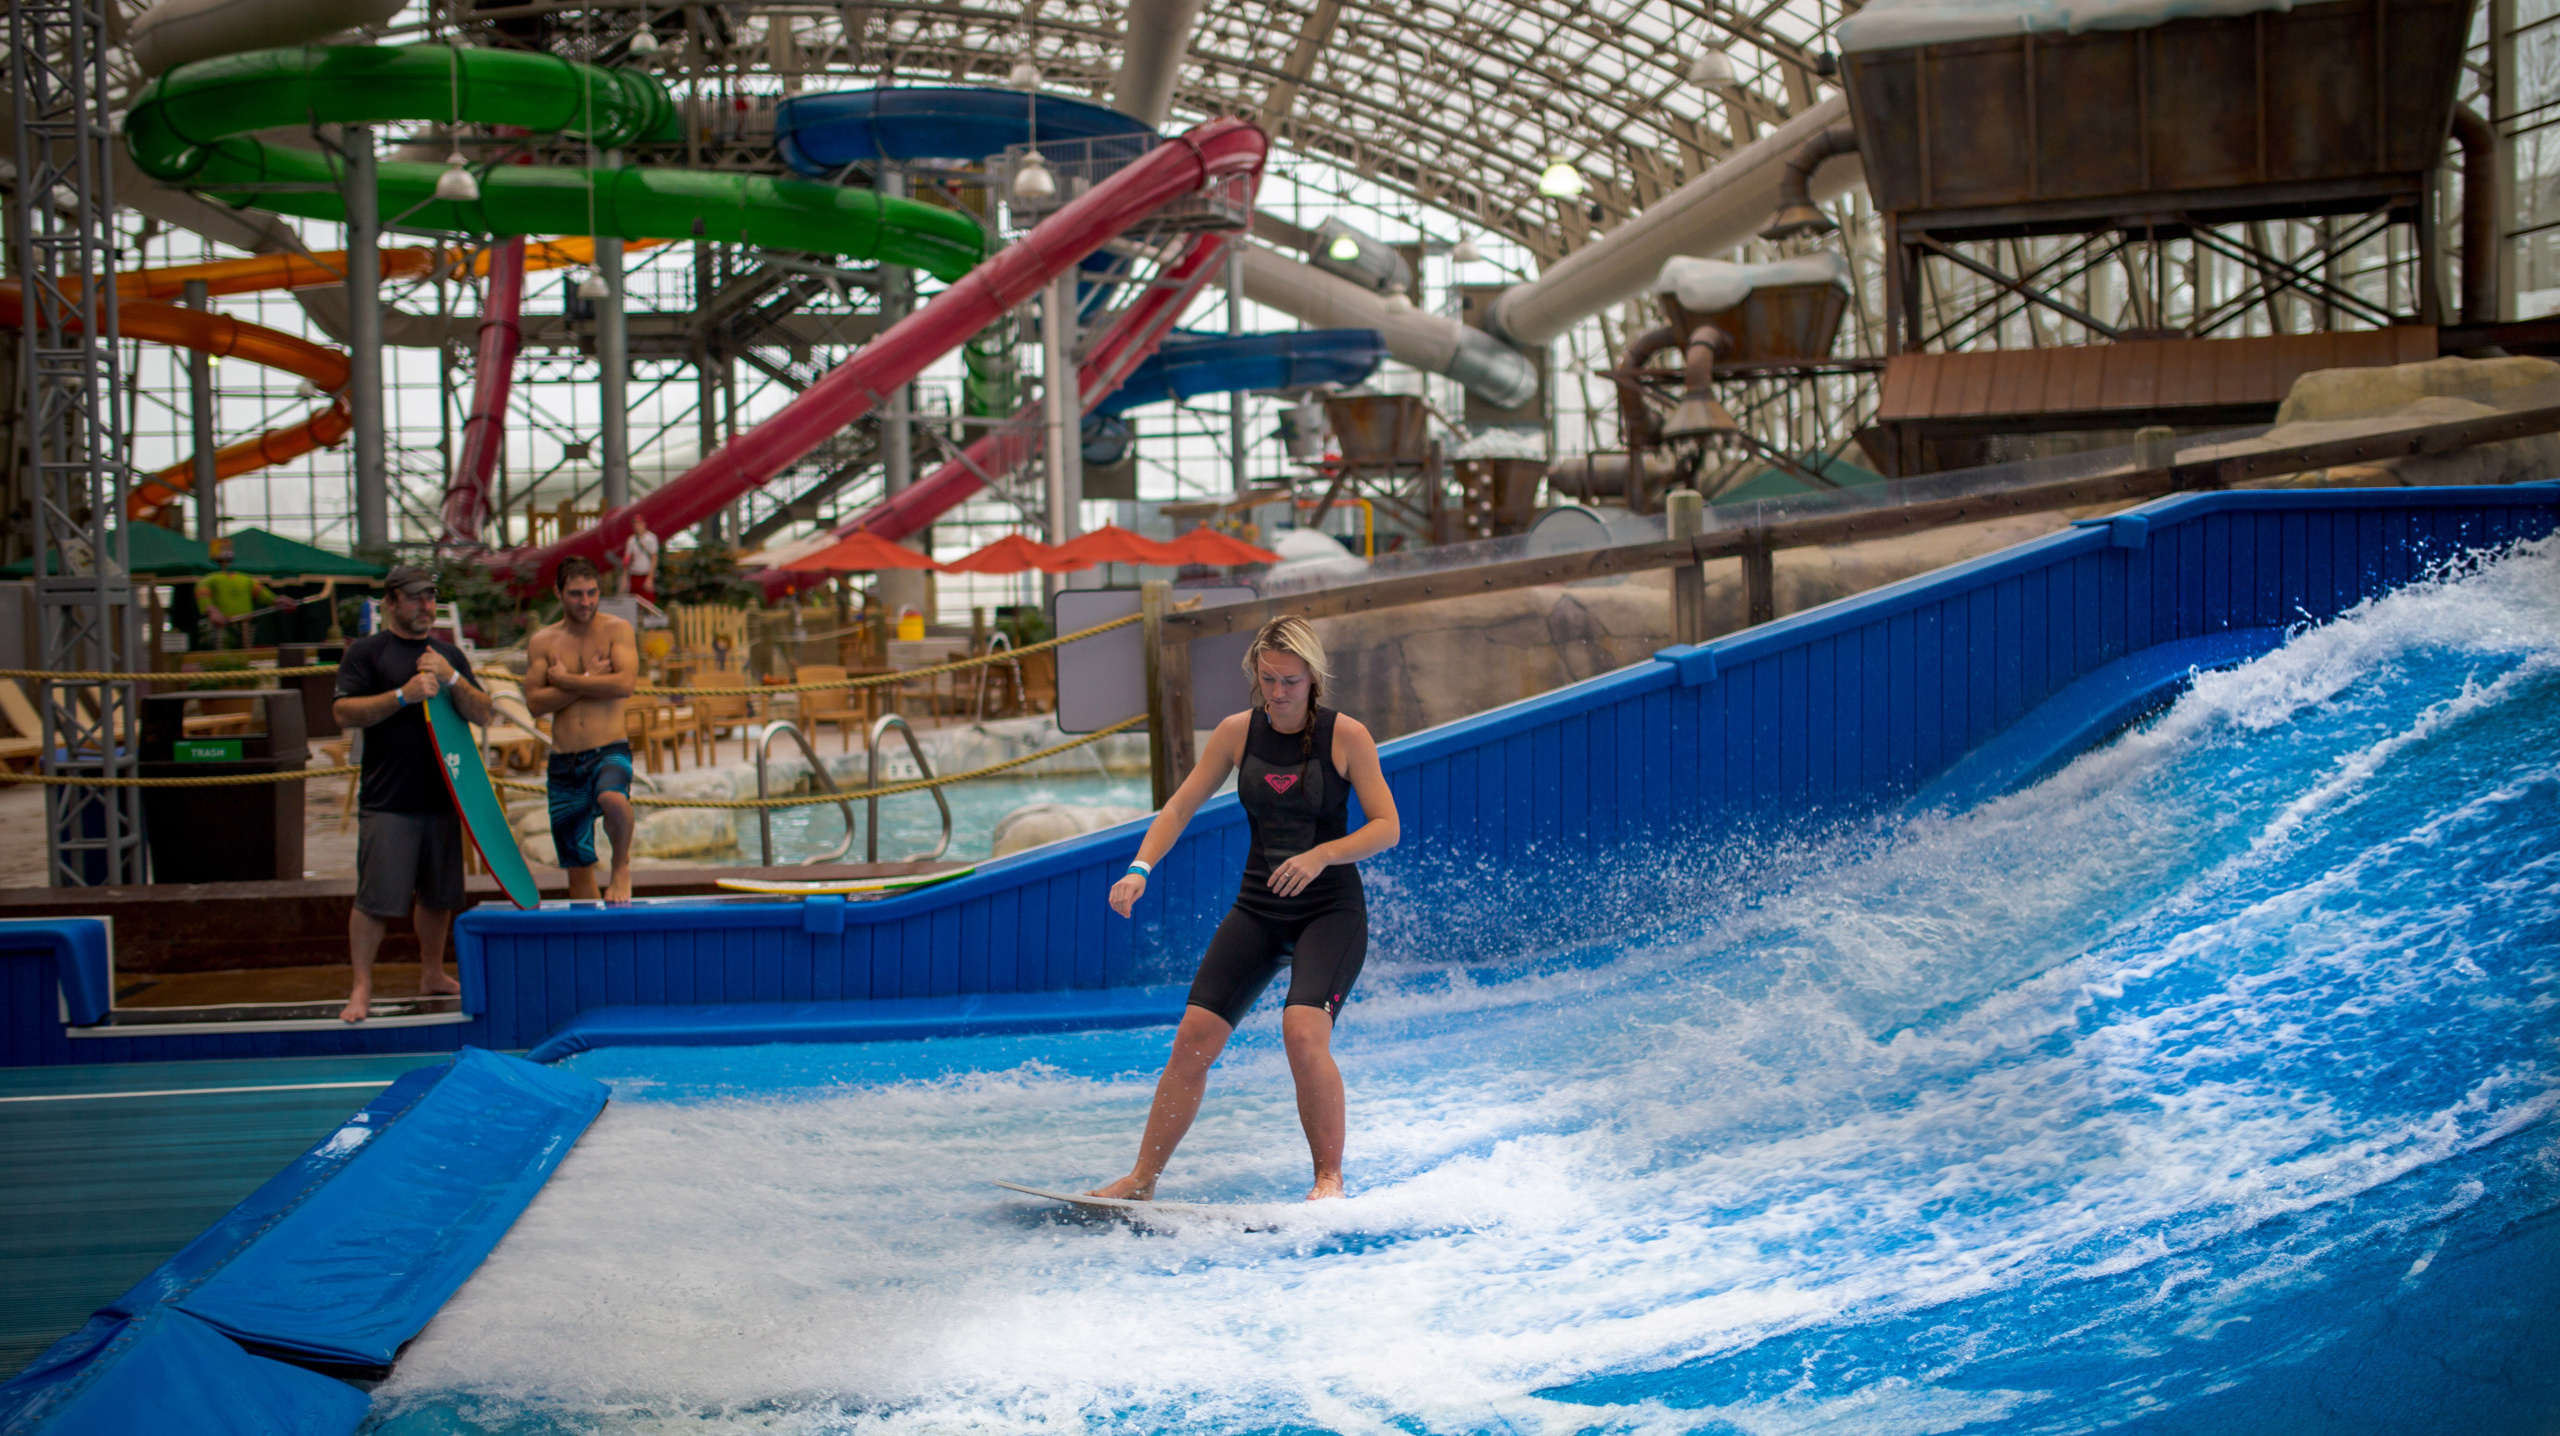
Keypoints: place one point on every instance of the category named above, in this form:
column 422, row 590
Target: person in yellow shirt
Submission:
column 228, row 596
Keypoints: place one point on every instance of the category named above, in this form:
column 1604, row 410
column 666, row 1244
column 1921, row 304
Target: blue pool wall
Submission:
column 1846, row 707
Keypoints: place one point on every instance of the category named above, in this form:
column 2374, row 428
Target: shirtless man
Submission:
column 582, row 669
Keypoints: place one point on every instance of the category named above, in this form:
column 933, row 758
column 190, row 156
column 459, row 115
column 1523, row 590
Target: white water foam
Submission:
column 2248, row 964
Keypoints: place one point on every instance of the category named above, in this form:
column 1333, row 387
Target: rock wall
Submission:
column 1406, row 669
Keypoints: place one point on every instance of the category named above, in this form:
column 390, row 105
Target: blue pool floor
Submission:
column 98, row 1187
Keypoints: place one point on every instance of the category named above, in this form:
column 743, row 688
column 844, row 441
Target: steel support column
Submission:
column 613, row 357
column 898, row 589
column 200, row 414
column 1061, row 407
column 1237, row 481
column 75, row 457
column 364, row 339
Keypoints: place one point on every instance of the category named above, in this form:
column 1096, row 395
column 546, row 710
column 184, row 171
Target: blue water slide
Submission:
column 819, row 135
column 1190, row 365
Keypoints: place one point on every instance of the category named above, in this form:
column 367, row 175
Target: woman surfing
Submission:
column 1300, row 905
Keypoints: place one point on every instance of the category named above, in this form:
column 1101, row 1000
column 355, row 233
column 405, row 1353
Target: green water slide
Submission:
column 194, row 128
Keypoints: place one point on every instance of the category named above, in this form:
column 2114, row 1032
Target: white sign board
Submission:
column 1103, row 679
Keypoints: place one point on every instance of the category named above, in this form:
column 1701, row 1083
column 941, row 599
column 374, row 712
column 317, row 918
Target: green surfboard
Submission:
column 483, row 816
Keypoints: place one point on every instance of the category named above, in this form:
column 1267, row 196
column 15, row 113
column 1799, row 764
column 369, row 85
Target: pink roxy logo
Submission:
column 1281, row 782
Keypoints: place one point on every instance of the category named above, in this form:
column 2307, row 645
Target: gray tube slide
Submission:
column 1155, row 37
column 174, row 32
column 1708, row 216
column 1485, row 365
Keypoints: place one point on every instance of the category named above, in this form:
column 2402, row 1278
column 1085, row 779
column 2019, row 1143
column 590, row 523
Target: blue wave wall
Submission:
column 1818, row 715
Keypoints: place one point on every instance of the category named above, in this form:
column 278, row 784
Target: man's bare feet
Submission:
column 618, row 891
column 1325, row 1189
column 1128, row 1188
column 359, row 1006
column 437, row 984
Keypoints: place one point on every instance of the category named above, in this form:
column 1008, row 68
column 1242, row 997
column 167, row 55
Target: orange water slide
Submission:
column 221, row 335
column 260, row 272
column 141, row 315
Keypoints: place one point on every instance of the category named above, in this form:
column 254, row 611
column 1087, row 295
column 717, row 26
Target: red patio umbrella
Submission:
column 863, row 552
column 1206, row 545
column 1015, row 554
column 1114, row 544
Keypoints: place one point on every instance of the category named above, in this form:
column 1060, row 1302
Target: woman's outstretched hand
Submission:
column 1124, row 893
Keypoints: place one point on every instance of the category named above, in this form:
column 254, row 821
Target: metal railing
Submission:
column 824, row 779
column 999, row 640
column 1080, row 164
column 924, row 770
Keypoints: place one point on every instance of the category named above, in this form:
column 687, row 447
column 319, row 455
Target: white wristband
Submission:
column 1141, row 869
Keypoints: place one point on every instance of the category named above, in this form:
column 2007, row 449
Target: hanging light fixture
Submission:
column 457, row 184
column 1033, row 183
column 1465, row 251
column 1560, row 180
column 1344, row 248
column 1713, row 70
column 593, row 286
column 644, row 43
column 1024, row 75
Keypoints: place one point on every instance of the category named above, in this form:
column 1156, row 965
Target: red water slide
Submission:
column 1192, row 161
column 466, row 496
column 1127, row 344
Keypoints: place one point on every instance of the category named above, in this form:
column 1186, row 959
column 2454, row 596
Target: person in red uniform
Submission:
column 640, row 561
column 1300, row 905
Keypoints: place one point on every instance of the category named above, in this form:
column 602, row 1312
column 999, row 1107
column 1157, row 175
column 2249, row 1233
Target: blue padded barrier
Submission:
column 2081, row 716
column 905, row 1019
column 78, row 947
column 349, row 1273
column 345, row 1254
column 165, row 1371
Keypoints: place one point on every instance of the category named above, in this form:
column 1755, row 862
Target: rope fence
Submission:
column 879, row 680
column 791, row 801
column 200, row 675
column 215, row 780
column 890, row 790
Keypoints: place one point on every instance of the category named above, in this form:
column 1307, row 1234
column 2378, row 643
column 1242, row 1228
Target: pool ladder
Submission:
column 825, row 780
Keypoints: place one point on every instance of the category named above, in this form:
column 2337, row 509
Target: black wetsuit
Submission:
column 1294, row 798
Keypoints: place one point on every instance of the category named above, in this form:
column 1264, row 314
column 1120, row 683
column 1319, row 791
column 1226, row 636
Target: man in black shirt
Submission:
column 408, row 834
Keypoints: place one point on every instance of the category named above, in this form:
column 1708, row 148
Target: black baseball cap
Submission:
column 408, row 576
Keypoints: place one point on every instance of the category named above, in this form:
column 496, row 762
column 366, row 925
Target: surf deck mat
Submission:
column 842, row 887
column 483, row 816
column 1247, row 1214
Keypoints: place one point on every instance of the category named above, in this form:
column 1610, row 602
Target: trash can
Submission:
column 249, row 832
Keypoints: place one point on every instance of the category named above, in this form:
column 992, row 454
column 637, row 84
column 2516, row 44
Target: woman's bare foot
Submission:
column 1325, row 1189
column 358, row 1008
column 1128, row 1188
column 437, row 984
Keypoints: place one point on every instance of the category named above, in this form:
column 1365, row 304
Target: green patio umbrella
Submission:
column 254, row 550
column 154, row 551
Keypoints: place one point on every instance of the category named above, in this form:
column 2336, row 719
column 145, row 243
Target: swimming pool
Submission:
column 910, row 823
column 2206, row 1085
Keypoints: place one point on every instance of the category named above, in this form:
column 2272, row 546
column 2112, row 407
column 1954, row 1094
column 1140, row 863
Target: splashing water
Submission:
column 2207, row 1085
